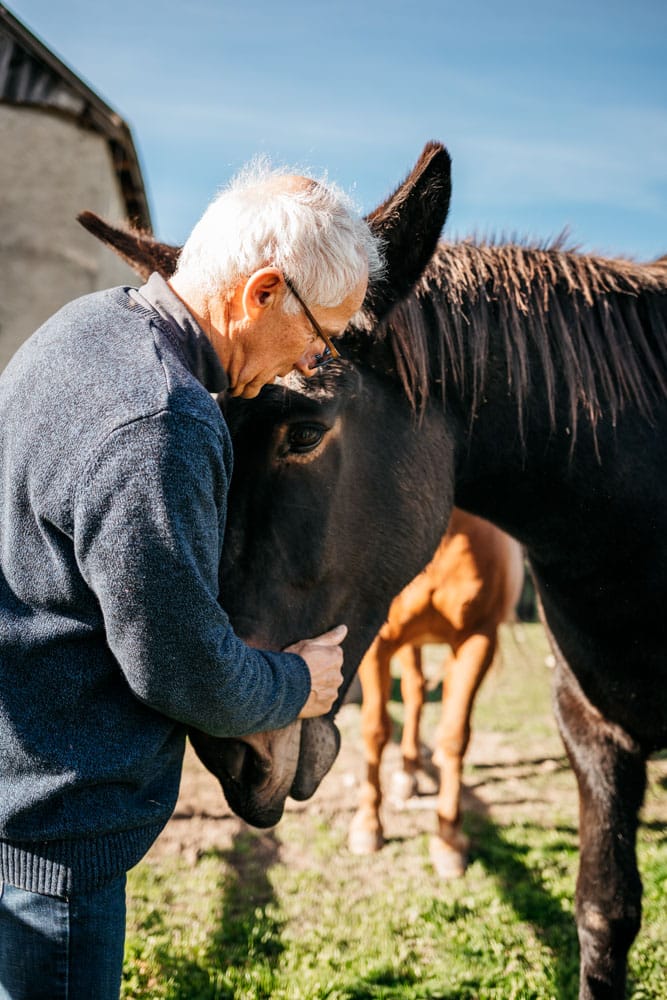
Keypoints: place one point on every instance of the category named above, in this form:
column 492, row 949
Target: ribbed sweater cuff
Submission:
column 65, row 867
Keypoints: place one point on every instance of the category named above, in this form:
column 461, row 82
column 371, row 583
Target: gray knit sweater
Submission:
column 114, row 469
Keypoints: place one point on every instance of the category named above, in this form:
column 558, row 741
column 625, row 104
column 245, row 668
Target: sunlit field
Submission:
column 219, row 910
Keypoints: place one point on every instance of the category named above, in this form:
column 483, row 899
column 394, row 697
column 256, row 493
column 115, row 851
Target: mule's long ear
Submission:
column 141, row 251
column 409, row 224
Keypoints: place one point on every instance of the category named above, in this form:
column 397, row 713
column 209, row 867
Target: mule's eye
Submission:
column 302, row 438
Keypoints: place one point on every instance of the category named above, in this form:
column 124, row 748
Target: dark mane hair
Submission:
column 598, row 324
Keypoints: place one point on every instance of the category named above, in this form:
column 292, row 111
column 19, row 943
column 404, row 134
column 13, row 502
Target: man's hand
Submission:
column 324, row 659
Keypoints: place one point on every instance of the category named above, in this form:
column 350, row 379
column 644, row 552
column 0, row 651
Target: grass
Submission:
column 288, row 914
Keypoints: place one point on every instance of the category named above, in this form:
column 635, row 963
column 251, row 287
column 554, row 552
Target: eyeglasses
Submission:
column 330, row 352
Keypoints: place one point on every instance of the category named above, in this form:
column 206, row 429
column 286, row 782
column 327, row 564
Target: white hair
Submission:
column 307, row 228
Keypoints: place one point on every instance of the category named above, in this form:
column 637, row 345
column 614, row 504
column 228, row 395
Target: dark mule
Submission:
column 259, row 772
column 469, row 588
column 529, row 385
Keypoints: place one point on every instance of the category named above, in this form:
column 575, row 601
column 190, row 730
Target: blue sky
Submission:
column 555, row 114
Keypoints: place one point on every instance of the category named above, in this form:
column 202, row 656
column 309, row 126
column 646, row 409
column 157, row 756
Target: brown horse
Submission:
column 468, row 589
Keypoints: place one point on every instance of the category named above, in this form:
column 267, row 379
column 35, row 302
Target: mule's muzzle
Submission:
column 243, row 773
column 258, row 772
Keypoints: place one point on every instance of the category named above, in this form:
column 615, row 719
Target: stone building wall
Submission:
column 51, row 168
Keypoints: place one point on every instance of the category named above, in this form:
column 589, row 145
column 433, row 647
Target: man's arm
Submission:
column 149, row 521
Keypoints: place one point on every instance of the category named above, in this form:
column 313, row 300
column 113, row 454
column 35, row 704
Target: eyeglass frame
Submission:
column 330, row 352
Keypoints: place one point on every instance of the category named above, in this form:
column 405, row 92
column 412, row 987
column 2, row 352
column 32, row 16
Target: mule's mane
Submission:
column 596, row 326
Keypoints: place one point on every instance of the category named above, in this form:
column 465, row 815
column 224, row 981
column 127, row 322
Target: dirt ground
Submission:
column 510, row 780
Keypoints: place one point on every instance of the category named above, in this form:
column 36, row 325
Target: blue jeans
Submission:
column 62, row 949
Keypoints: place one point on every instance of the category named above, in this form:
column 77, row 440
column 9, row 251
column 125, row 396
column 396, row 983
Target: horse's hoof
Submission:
column 449, row 862
column 403, row 786
column 361, row 841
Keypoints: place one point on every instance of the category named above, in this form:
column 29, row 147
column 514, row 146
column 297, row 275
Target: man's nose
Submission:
column 306, row 365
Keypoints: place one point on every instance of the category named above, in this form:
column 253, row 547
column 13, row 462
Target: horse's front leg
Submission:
column 611, row 774
column 365, row 834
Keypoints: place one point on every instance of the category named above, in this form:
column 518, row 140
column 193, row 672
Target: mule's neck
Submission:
column 546, row 357
column 557, row 486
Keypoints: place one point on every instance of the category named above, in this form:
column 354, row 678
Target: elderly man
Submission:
column 114, row 469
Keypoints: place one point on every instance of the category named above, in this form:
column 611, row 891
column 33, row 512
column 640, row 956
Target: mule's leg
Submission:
column 366, row 836
column 611, row 774
column 465, row 672
column 404, row 782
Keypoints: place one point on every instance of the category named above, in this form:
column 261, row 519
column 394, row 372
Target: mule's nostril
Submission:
column 235, row 756
column 243, row 765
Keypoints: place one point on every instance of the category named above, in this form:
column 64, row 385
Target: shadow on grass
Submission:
column 655, row 826
column 523, row 887
column 248, row 944
column 240, row 955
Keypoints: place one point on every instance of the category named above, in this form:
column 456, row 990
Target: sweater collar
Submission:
column 183, row 331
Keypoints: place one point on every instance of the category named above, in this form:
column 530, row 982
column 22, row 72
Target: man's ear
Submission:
column 261, row 290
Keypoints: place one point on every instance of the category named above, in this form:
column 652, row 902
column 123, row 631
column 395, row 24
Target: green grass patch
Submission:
column 245, row 924
column 348, row 928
